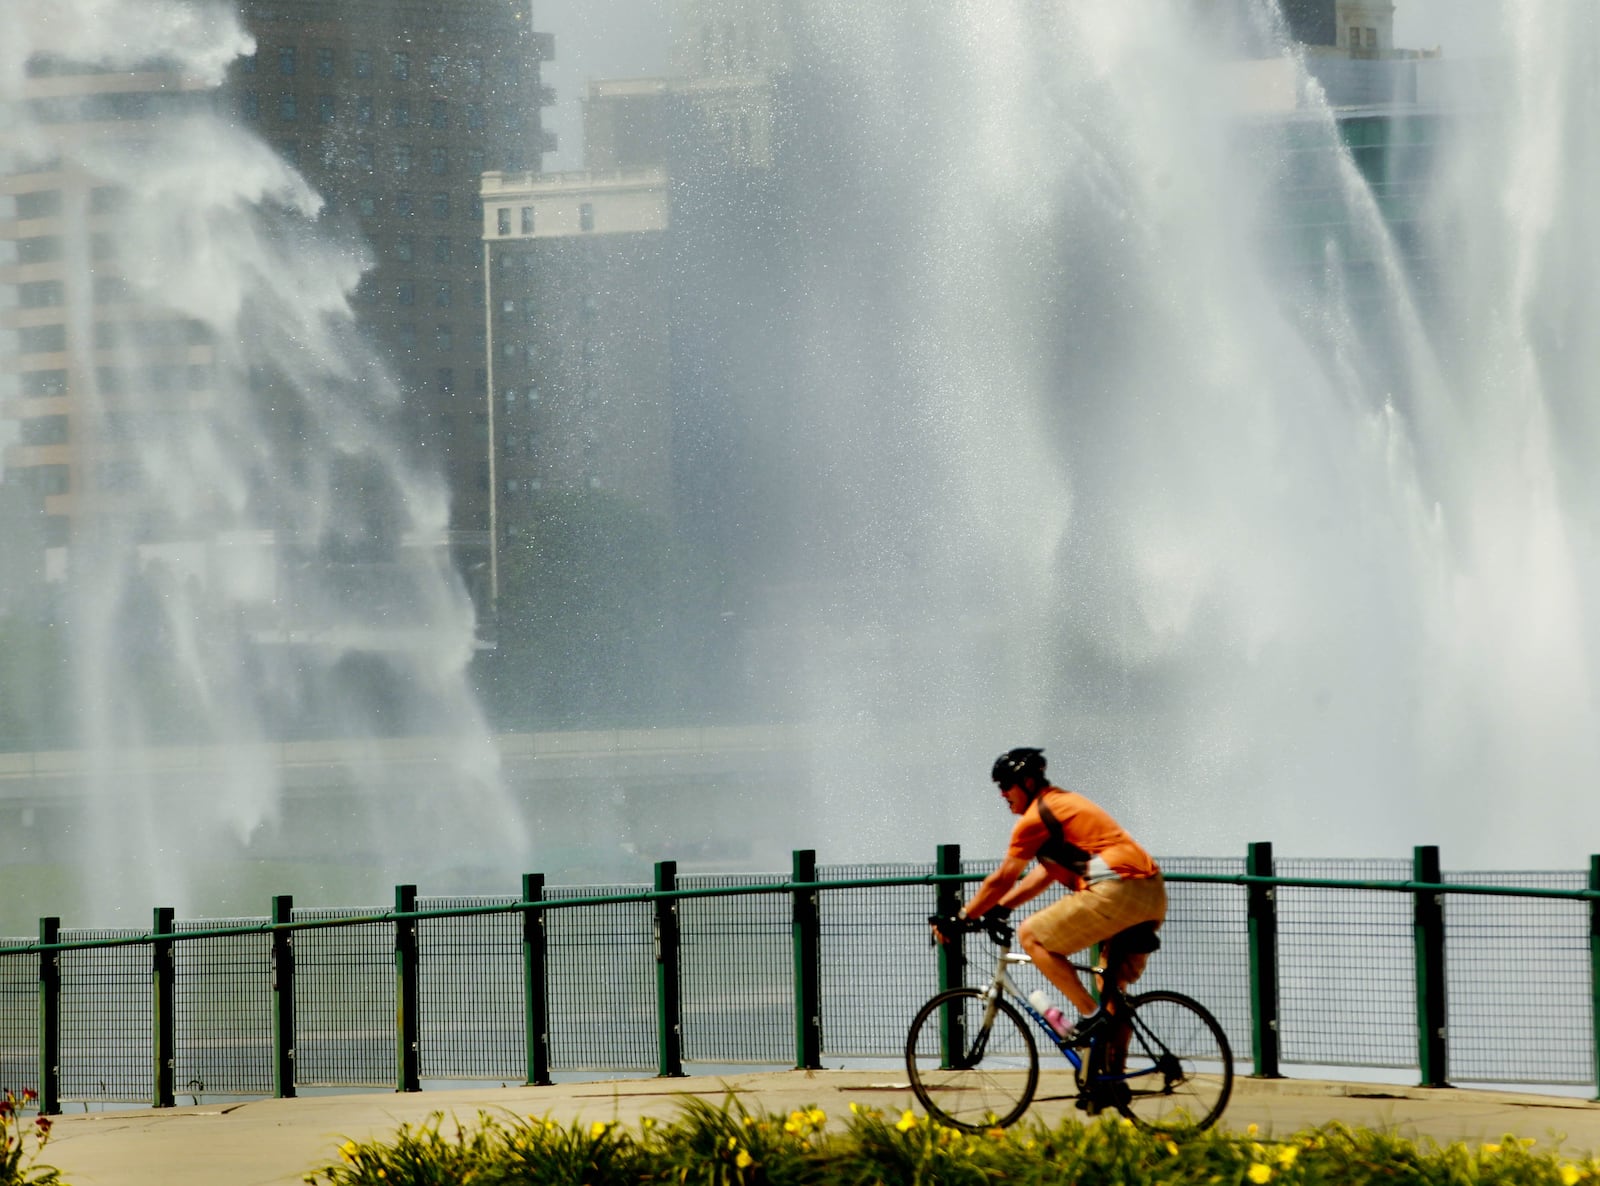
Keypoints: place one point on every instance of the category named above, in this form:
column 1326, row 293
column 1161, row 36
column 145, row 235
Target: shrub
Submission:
column 17, row 1166
column 731, row 1146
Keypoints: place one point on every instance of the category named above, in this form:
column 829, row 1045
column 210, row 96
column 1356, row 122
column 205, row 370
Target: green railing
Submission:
column 580, row 977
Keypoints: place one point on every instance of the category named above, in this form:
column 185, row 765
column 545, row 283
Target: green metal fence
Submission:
column 1481, row 978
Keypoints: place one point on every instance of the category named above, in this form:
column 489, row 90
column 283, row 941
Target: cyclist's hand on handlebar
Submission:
column 944, row 927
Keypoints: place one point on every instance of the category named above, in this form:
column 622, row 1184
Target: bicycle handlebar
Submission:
column 996, row 924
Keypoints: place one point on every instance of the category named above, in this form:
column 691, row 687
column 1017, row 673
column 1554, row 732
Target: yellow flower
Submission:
column 1172, row 1148
column 1491, row 1148
column 855, row 1108
column 598, row 1129
column 647, row 1122
column 347, row 1152
column 995, row 1134
column 817, row 1117
column 1287, row 1154
column 733, row 1142
column 907, row 1122
column 1569, row 1175
column 744, row 1161
column 1259, row 1173
column 1250, row 1130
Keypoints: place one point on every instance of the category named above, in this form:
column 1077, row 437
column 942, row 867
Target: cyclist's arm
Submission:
column 1029, row 888
column 995, row 887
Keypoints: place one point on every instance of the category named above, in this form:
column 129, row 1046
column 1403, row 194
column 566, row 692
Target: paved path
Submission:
column 275, row 1142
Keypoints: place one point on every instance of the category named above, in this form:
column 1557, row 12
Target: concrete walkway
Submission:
column 276, row 1142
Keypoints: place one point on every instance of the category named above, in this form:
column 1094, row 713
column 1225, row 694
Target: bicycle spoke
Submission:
column 1178, row 1071
column 988, row 1078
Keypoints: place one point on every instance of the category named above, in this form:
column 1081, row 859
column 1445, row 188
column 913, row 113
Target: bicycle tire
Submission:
column 988, row 1084
column 1178, row 1071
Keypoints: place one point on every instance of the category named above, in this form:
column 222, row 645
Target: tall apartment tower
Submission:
column 393, row 109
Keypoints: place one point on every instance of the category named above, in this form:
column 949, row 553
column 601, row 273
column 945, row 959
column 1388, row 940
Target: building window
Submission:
column 405, row 204
column 1372, row 39
column 250, row 105
column 364, row 110
column 41, row 294
column 475, row 161
column 326, row 105
column 361, row 63
column 508, row 306
column 503, row 220
column 367, row 204
column 402, row 67
column 248, row 65
column 441, row 248
column 403, row 250
column 447, row 380
column 402, row 158
column 288, row 108
column 44, row 430
column 586, row 216
column 42, row 339
column 48, row 479
column 405, row 293
column 474, row 70
column 324, row 63
column 408, row 337
column 38, row 383
column 441, row 205
column 286, row 60
column 475, row 116
column 439, row 114
column 437, row 65
column 527, row 220
column 444, row 339
column 290, row 151
column 439, row 161
column 441, row 296
column 363, row 155
column 480, row 381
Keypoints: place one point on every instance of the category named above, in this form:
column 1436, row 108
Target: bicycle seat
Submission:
column 1140, row 939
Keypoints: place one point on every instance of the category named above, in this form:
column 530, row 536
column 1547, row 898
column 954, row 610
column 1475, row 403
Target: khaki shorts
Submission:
column 1097, row 912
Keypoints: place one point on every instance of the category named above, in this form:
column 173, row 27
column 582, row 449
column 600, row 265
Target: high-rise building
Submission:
column 393, row 111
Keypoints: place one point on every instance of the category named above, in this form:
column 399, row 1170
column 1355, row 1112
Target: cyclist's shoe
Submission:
column 1087, row 1029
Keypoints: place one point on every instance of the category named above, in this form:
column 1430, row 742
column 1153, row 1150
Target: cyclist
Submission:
column 1115, row 884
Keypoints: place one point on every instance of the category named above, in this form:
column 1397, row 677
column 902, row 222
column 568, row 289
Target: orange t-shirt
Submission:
column 1093, row 846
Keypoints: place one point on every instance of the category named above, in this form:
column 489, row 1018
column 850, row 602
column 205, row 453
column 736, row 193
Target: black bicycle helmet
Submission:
column 1015, row 766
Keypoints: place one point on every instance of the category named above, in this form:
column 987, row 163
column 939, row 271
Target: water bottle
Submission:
column 1050, row 1013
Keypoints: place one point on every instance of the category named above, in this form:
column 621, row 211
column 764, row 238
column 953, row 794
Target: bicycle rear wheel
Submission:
column 971, row 1060
column 1177, row 1074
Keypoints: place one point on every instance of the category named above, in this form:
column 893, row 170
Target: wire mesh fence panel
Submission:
column 222, row 990
column 878, row 966
column 1347, row 987
column 1205, row 947
column 470, row 993
column 738, row 973
column 19, row 1020
column 602, row 962
column 1517, row 982
column 106, row 1004
column 344, row 1002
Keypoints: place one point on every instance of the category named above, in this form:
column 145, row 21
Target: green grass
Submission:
column 729, row 1146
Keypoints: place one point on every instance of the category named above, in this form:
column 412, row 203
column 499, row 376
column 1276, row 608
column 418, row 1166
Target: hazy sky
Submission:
column 628, row 38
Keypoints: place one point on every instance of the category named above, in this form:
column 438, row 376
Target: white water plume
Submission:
column 1263, row 533
column 256, row 557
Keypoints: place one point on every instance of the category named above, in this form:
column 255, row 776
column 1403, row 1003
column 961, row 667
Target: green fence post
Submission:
column 1428, row 931
column 535, row 983
column 162, row 1012
column 952, row 952
column 1262, row 905
column 408, row 1031
column 669, row 986
column 283, row 997
column 807, row 964
column 1594, row 965
column 49, row 1020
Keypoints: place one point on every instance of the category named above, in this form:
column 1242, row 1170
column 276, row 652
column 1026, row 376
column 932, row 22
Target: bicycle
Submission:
column 1164, row 1063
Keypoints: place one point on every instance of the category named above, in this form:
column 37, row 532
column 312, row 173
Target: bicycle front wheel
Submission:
column 1177, row 1072
column 971, row 1060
